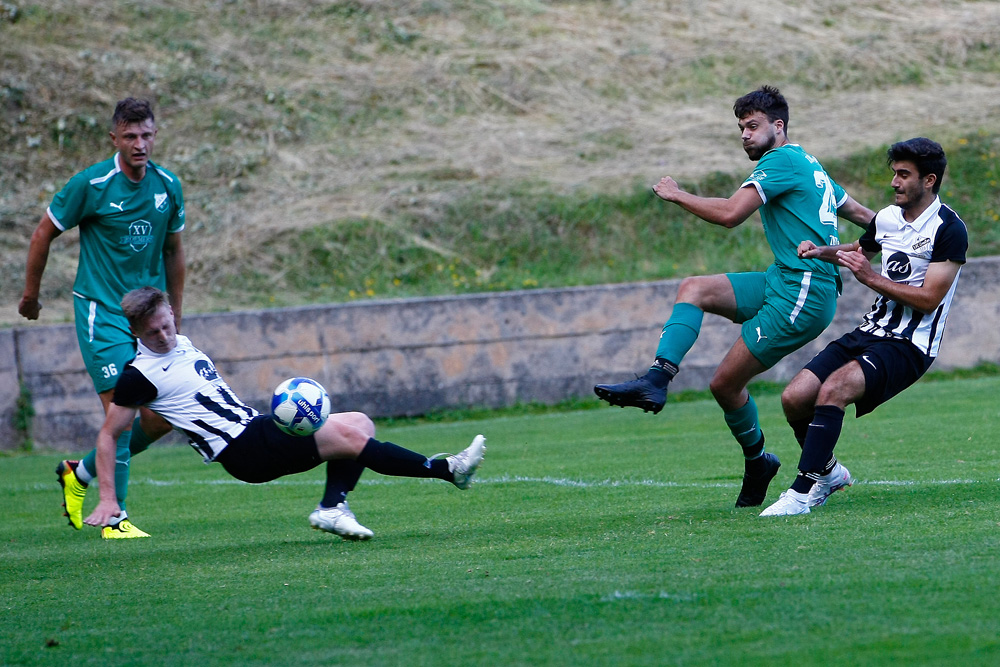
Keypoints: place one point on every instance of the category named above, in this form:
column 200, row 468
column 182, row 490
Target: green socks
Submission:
column 745, row 428
column 680, row 332
column 130, row 442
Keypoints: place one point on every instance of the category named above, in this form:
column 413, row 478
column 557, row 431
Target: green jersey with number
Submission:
column 123, row 226
column 800, row 204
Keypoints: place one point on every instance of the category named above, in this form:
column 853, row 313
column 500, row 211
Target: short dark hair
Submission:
column 132, row 110
column 926, row 154
column 140, row 304
column 766, row 99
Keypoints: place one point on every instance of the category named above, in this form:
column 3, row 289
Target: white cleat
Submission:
column 827, row 485
column 339, row 520
column 463, row 465
column 789, row 503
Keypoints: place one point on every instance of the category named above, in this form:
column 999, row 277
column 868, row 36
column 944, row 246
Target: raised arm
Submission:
column 724, row 212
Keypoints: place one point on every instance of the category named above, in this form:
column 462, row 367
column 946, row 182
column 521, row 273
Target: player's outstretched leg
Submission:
column 649, row 393
column 339, row 520
column 387, row 458
column 73, row 492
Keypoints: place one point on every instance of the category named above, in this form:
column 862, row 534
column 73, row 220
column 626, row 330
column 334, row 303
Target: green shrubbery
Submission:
column 529, row 237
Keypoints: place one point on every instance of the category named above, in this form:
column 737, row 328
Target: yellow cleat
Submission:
column 73, row 490
column 123, row 530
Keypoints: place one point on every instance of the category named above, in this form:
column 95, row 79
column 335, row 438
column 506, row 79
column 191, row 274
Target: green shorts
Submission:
column 782, row 310
column 105, row 342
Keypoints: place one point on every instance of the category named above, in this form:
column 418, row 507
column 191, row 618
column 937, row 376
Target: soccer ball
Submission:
column 300, row 406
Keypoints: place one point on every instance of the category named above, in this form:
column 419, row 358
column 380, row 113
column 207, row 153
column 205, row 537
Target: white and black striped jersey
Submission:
column 938, row 235
column 183, row 387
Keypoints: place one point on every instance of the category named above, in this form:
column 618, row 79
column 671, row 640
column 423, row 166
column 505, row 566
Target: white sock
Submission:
column 83, row 475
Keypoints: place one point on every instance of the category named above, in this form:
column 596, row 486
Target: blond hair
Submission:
column 140, row 304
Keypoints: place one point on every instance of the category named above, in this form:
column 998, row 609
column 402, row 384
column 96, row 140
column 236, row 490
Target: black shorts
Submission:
column 263, row 452
column 890, row 365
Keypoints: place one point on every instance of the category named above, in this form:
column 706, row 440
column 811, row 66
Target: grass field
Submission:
column 598, row 536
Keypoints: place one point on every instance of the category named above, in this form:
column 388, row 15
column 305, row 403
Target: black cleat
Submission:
column 637, row 393
column 755, row 487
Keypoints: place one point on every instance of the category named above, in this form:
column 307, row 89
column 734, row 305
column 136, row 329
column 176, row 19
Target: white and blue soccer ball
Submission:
column 300, row 406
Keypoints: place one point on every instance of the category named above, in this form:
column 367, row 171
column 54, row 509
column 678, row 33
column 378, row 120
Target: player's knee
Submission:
column 366, row 425
column 360, row 421
column 710, row 293
column 835, row 393
column 792, row 401
column 799, row 397
column 724, row 392
column 691, row 290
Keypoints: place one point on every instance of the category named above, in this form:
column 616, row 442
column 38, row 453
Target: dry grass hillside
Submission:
column 280, row 115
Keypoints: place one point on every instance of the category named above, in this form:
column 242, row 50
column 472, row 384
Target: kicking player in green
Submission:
column 780, row 309
column 130, row 213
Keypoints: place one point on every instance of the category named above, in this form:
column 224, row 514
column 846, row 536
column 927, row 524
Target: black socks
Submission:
column 817, row 452
column 387, row 458
column 661, row 373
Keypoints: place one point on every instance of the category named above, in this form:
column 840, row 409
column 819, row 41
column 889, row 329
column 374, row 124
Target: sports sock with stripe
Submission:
column 122, row 463
column 342, row 476
column 680, row 332
column 817, row 453
column 387, row 458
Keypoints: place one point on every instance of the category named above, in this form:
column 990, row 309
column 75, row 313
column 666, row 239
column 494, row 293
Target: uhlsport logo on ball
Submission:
column 300, row 406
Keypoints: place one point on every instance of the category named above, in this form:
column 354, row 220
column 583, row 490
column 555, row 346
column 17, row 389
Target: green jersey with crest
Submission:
column 800, row 203
column 123, row 226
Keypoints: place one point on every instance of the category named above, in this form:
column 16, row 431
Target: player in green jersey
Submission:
column 130, row 213
column 780, row 309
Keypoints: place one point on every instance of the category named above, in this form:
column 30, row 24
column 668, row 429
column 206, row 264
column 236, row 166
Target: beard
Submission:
column 757, row 152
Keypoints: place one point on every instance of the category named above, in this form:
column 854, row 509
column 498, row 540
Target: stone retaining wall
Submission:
column 411, row 356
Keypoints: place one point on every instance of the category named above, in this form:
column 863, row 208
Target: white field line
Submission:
column 522, row 479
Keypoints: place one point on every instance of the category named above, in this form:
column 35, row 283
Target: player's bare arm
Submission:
column 174, row 271
column 38, row 257
column 925, row 298
column 856, row 212
column 727, row 213
column 116, row 422
column 827, row 253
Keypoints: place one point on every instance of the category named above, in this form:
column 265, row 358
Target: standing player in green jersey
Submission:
column 130, row 213
column 780, row 309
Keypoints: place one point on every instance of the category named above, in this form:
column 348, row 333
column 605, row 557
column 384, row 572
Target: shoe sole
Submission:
column 132, row 534
column 767, row 482
column 805, row 511
column 350, row 537
column 122, row 537
column 612, row 398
